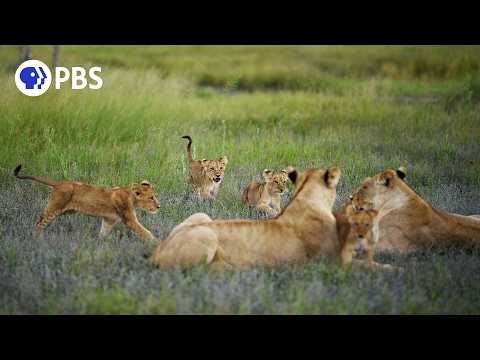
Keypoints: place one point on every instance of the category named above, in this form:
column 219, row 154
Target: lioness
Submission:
column 406, row 221
column 304, row 229
column 266, row 197
column 205, row 175
column 361, row 225
column 111, row 204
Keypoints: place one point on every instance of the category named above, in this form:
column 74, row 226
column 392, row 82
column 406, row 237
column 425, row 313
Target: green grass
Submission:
column 362, row 108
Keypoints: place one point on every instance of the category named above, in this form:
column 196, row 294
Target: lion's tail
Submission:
column 245, row 194
column 35, row 178
column 189, row 147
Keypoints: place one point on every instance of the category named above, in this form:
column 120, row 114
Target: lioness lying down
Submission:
column 406, row 221
column 304, row 229
column 111, row 204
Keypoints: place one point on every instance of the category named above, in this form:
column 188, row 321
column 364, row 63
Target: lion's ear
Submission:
column 293, row 174
column 146, row 183
column 267, row 174
column 386, row 177
column 136, row 188
column 332, row 176
column 224, row 160
column 349, row 211
column 286, row 171
column 401, row 172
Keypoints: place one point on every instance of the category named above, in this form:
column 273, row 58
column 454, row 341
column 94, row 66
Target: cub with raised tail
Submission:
column 205, row 175
column 111, row 204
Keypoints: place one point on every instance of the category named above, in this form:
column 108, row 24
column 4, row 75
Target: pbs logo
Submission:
column 33, row 77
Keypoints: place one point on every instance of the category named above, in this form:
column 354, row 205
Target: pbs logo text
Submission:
column 33, row 78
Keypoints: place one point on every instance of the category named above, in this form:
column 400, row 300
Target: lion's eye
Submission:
column 137, row 193
column 151, row 198
column 212, row 168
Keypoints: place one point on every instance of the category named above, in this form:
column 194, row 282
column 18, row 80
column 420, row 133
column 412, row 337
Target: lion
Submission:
column 205, row 175
column 360, row 230
column 408, row 222
column 304, row 229
column 266, row 197
column 111, row 204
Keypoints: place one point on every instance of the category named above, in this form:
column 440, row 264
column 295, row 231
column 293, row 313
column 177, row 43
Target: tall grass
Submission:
column 262, row 107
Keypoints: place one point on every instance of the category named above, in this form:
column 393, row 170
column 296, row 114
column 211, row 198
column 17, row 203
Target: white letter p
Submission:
column 61, row 75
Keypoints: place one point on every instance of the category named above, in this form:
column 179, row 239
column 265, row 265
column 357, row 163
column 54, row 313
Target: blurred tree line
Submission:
column 26, row 54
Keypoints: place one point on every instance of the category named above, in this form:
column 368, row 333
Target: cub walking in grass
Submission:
column 266, row 197
column 111, row 204
column 205, row 175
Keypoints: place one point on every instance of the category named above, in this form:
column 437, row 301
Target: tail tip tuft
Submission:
column 187, row 137
column 17, row 170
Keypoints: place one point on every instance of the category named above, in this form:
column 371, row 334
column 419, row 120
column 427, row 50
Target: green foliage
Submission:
column 362, row 108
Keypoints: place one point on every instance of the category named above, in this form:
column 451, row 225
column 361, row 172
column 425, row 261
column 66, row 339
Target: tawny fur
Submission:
column 408, row 222
column 205, row 176
column 266, row 197
column 111, row 204
column 305, row 228
column 361, row 225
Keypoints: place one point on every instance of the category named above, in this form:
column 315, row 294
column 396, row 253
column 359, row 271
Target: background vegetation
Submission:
column 364, row 108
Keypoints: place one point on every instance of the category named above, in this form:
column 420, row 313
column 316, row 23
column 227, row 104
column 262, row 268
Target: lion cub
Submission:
column 266, row 197
column 205, row 175
column 111, row 204
column 361, row 225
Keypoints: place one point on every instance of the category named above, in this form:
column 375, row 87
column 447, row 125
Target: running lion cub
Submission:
column 266, row 197
column 205, row 175
column 361, row 229
column 111, row 204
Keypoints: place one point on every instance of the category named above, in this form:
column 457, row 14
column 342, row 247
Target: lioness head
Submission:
column 361, row 222
column 215, row 169
column 375, row 191
column 317, row 185
column 144, row 196
column 276, row 180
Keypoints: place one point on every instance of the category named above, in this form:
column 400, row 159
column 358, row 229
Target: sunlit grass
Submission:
column 362, row 108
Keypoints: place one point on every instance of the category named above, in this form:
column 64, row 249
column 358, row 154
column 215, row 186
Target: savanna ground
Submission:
column 364, row 108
